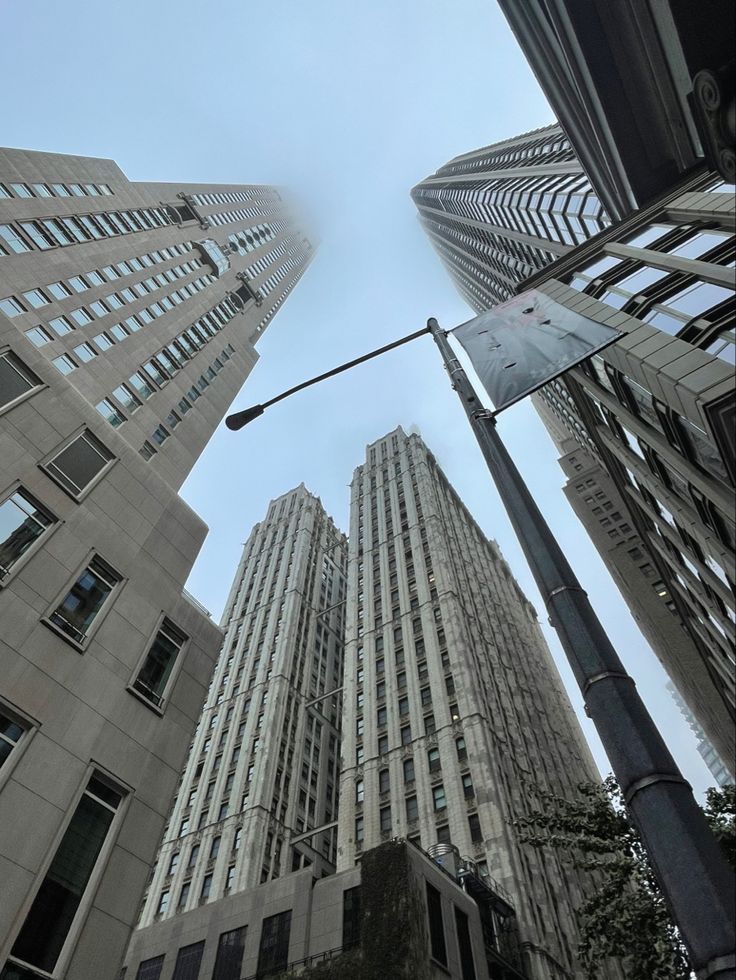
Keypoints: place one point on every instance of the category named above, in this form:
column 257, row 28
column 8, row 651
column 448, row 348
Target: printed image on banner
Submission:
column 522, row 344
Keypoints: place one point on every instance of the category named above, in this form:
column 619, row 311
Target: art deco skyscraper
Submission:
column 262, row 771
column 498, row 214
column 129, row 314
column 455, row 716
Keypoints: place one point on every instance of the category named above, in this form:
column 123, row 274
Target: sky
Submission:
column 348, row 105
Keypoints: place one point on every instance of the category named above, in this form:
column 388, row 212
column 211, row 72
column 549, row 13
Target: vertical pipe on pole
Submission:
column 690, row 866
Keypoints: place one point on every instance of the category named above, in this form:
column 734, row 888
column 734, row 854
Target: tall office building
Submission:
column 666, row 273
column 128, row 318
column 262, row 772
column 706, row 750
column 500, row 213
column 455, row 716
column 643, row 90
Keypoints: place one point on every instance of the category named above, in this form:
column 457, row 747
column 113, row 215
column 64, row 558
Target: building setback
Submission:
column 455, row 717
column 262, row 771
column 498, row 214
column 128, row 318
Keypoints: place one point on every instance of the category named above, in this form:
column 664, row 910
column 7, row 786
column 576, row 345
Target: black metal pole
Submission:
column 690, row 866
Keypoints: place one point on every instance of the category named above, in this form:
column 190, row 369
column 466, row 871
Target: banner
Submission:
column 522, row 344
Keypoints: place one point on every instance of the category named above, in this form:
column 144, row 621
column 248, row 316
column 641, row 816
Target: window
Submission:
column 359, row 791
column 382, row 744
column 188, row 961
column 163, row 902
column 64, row 364
column 351, row 917
column 61, row 325
column 229, row 960
column 150, row 969
column 385, row 819
column 358, row 830
column 273, row 950
column 158, row 665
column 127, row 399
column 438, row 798
column 12, row 240
column 85, row 352
column 408, row 771
column 215, row 848
column 10, row 735
column 412, row 809
column 406, row 735
column 141, row 385
column 443, row 835
column 465, row 946
column 79, row 463
column 52, row 915
column 82, row 605
column 429, row 725
column 11, row 307
column 437, row 945
column 381, row 717
column 476, row 834
column 462, row 751
column 38, row 336
column 384, row 781
column 22, row 522
column 16, row 380
column 468, row 789
column 110, row 412
column 206, row 888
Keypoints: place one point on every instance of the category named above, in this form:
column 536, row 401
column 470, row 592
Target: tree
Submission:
column 720, row 811
column 626, row 917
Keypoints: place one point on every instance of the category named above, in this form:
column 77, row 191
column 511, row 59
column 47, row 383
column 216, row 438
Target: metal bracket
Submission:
column 657, row 777
column 604, row 675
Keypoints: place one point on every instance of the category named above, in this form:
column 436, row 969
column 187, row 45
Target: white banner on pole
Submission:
column 521, row 344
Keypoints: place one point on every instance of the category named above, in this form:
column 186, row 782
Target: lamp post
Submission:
column 690, row 867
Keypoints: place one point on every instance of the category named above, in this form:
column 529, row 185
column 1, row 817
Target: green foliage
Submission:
column 720, row 811
column 626, row 917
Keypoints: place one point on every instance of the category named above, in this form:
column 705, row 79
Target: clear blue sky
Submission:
column 349, row 105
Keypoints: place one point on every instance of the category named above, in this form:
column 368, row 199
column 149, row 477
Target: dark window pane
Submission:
column 15, row 379
column 77, row 611
column 188, row 960
column 436, row 927
column 466, row 949
column 351, row 916
column 21, row 523
column 48, row 922
column 229, row 955
column 273, row 952
column 79, row 463
column 159, row 662
column 150, row 969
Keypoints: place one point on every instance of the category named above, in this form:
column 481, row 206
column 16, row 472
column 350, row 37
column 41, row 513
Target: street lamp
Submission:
column 690, row 866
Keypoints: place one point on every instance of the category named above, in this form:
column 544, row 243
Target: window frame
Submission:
column 26, row 372
column 17, row 487
column 55, row 453
column 30, row 726
column 160, row 707
column 104, row 610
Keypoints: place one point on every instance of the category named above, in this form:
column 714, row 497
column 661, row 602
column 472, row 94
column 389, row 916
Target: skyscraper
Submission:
column 454, row 714
column 666, row 269
column 643, row 90
column 128, row 318
column 262, row 772
column 706, row 750
column 498, row 214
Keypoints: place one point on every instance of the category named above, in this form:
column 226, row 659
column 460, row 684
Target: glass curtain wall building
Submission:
column 500, row 213
column 129, row 314
column 455, row 717
column 262, row 772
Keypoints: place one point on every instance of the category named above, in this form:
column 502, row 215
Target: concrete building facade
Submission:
column 396, row 914
column 498, row 214
column 455, row 717
column 121, row 346
column 262, row 771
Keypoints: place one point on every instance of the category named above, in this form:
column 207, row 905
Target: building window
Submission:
column 438, row 798
column 443, row 835
column 351, row 917
column 206, row 888
column 358, row 830
column 79, row 463
column 468, row 786
column 359, row 791
column 155, row 672
column 54, row 910
column 385, row 819
column 150, row 969
column 110, row 412
column 384, row 781
column 229, row 959
column 430, row 726
column 381, row 717
column 476, row 834
column 82, row 605
column 462, row 751
column 433, row 758
column 383, row 744
column 408, row 771
column 188, row 961
column 163, row 902
column 437, row 944
column 16, row 380
column 273, row 950
column 465, row 946
column 10, row 735
column 22, row 523
column 412, row 809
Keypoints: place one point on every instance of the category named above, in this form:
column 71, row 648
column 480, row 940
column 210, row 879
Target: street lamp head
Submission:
column 432, row 322
column 239, row 419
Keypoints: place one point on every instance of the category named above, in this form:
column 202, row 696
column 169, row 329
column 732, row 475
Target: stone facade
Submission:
column 455, row 716
column 262, row 770
column 104, row 658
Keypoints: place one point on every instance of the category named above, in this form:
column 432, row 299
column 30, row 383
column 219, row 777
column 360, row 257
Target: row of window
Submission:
column 46, row 233
column 22, row 190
